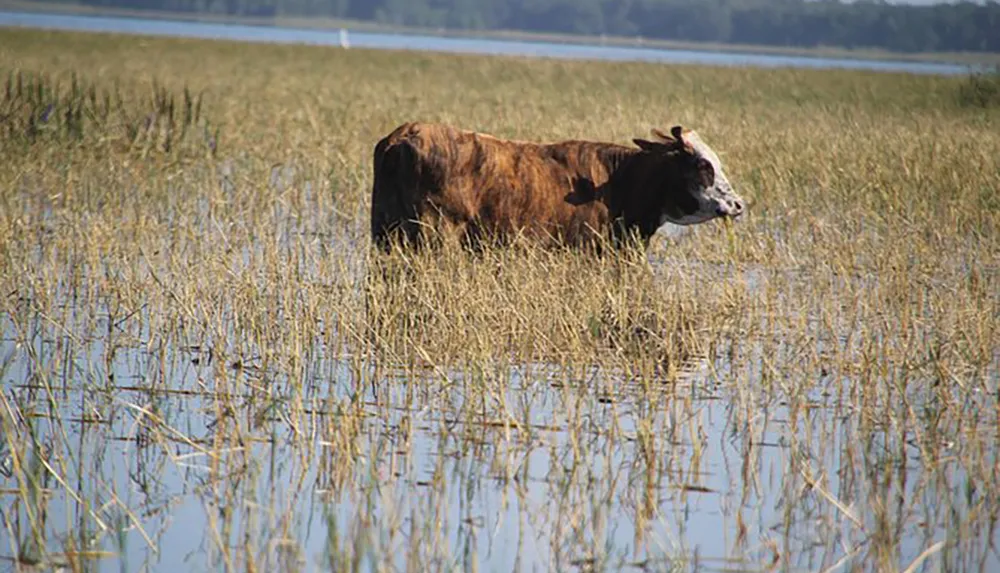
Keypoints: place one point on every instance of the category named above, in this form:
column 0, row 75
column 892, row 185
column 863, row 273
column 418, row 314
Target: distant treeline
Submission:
column 963, row 26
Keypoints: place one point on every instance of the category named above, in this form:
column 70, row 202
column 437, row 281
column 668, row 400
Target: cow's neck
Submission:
column 616, row 158
column 629, row 187
column 625, row 166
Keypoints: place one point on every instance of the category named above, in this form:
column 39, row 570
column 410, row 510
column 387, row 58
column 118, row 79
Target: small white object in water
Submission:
column 344, row 42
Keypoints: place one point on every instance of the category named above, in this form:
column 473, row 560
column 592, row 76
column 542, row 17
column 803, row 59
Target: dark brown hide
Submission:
column 572, row 192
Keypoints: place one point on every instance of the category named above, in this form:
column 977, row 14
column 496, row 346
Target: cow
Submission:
column 573, row 193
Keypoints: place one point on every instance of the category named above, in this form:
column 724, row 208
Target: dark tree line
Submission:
column 963, row 26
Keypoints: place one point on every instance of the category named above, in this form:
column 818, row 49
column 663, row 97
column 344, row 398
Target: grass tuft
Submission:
column 39, row 110
column 981, row 89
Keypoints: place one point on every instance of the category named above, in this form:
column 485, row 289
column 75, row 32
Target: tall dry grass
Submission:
column 193, row 326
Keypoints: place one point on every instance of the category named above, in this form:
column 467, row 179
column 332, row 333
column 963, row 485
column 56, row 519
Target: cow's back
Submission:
column 479, row 184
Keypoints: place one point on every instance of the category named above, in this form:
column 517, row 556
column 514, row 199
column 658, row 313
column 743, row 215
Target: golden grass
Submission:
column 833, row 355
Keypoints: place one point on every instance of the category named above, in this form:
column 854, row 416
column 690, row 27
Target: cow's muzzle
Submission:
column 729, row 207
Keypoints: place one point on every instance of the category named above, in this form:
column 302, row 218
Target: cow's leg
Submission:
column 472, row 237
column 411, row 232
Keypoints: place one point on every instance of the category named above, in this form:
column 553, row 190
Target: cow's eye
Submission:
column 706, row 172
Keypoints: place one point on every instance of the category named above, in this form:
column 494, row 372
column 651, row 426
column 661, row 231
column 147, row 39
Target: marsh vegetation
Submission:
column 199, row 370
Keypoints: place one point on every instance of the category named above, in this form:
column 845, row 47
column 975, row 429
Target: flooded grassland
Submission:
column 199, row 372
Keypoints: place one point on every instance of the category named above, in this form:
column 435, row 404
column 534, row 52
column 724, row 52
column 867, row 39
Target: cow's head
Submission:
column 694, row 186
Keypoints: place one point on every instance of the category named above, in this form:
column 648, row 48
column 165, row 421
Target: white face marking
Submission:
column 722, row 185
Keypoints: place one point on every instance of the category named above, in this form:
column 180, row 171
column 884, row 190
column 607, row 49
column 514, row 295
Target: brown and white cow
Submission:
column 571, row 192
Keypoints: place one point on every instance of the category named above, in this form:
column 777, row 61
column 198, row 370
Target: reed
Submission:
column 37, row 110
column 197, row 336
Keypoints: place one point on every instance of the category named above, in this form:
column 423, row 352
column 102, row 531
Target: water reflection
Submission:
column 155, row 455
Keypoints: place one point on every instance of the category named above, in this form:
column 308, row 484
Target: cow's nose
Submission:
column 729, row 208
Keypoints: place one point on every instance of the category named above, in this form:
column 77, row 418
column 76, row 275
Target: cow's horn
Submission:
column 662, row 137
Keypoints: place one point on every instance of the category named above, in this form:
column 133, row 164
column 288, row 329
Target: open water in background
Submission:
column 424, row 42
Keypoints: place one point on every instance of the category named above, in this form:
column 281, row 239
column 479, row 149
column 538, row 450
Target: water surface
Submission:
column 423, row 42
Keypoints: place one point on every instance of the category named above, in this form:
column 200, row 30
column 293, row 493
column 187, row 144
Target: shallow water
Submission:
column 577, row 470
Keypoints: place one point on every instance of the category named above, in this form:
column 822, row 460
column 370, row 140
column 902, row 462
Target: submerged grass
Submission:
column 197, row 339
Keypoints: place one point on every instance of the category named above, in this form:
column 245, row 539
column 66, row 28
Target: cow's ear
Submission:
column 678, row 133
column 647, row 145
